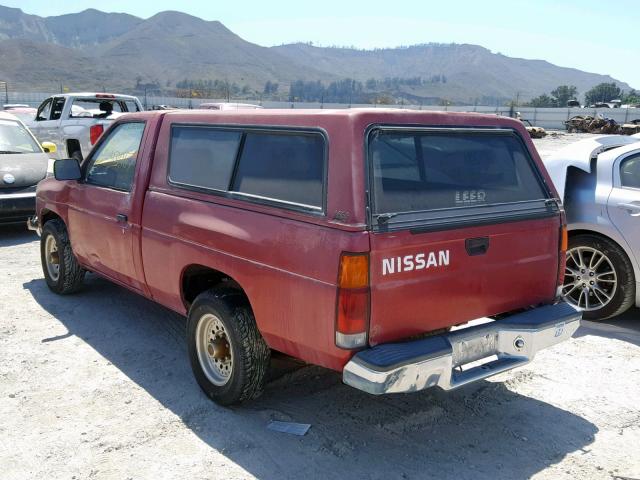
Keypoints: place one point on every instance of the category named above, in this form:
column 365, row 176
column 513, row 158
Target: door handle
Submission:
column 476, row 246
column 121, row 218
column 631, row 207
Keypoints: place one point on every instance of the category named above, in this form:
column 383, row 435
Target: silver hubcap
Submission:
column 214, row 349
column 52, row 258
column 590, row 281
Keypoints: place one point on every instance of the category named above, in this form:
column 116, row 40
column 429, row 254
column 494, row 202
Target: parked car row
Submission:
column 455, row 218
column 72, row 123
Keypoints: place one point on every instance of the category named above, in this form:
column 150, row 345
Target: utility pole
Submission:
column 6, row 92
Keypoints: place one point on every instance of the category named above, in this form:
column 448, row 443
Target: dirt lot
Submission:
column 97, row 385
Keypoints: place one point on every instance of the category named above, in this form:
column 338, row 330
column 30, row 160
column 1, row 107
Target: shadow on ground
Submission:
column 625, row 327
column 482, row 431
column 11, row 235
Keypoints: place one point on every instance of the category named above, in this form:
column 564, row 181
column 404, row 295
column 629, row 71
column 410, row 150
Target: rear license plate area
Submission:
column 467, row 350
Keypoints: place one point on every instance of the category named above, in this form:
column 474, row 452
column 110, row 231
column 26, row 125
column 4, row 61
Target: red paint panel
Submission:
column 518, row 270
column 287, row 268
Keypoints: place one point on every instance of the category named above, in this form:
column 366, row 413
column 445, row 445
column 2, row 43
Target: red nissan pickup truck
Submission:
column 363, row 241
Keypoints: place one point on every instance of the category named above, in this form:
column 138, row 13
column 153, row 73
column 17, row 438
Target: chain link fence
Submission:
column 549, row 118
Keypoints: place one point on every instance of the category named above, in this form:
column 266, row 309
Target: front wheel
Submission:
column 62, row 272
column 228, row 356
column 599, row 277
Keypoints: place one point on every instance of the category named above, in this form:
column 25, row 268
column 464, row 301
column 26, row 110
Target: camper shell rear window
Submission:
column 439, row 175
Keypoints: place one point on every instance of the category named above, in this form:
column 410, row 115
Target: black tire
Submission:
column 70, row 273
column 624, row 296
column 249, row 352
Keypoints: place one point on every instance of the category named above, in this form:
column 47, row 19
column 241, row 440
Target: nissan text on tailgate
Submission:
column 363, row 241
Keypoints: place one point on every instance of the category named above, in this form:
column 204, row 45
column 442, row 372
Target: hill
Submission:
column 92, row 49
column 462, row 72
column 77, row 30
column 171, row 46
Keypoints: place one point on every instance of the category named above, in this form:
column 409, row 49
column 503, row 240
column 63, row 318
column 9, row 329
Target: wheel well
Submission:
column 73, row 146
column 198, row 278
column 573, row 233
column 48, row 215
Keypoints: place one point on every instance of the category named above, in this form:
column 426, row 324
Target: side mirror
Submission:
column 68, row 169
column 49, row 147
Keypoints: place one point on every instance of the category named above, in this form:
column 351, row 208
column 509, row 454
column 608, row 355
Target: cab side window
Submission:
column 283, row 167
column 113, row 164
column 630, row 172
column 44, row 111
column 56, row 110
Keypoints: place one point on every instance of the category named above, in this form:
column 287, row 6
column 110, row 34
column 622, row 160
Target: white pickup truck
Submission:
column 75, row 121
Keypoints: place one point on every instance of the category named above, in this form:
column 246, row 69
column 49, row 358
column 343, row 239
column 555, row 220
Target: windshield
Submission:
column 416, row 171
column 14, row 138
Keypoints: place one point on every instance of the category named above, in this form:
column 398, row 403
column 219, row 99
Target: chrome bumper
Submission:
column 433, row 361
column 34, row 224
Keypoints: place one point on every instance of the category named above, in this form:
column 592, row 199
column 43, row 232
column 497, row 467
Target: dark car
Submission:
column 23, row 163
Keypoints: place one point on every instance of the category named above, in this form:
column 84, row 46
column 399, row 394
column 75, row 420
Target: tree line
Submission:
column 601, row 93
column 349, row 90
column 384, row 91
column 210, row 88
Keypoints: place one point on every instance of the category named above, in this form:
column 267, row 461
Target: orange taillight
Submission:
column 353, row 298
column 564, row 239
column 354, row 271
column 562, row 253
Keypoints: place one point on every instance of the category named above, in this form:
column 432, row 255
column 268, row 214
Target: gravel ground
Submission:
column 97, row 385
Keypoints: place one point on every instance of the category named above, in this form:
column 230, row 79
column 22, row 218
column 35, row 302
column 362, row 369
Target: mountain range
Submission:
column 96, row 50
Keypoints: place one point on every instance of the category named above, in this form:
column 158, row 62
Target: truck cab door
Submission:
column 52, row 126
column 39, row 124
column 101, row 206
column 624, row 200
column 46, row 126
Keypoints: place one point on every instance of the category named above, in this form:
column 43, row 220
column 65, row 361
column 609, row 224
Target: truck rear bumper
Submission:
column 434, row 361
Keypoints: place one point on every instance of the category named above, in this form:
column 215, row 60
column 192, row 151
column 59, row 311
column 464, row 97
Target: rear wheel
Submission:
column 598, row 278
column 228, row 356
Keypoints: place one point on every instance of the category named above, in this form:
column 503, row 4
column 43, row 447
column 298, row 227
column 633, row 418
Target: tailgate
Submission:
column 462, row 227
column 427, row 281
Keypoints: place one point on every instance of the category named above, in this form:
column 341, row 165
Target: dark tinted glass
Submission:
column 630, row 172
column 203, row 157
column 429, row 171
column 286, row 167
column 58, row 105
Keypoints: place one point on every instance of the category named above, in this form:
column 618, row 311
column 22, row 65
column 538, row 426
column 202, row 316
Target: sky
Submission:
column 592, row 35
